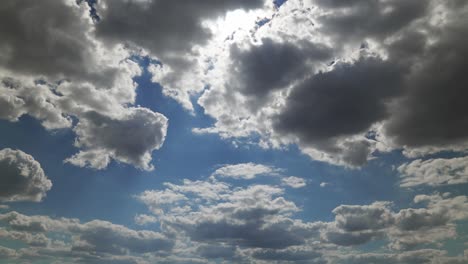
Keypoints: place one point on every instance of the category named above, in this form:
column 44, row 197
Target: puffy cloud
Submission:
column 143, row 219
column 7, row 253
column 434, row 172
column 215, row 220
column 343, row 102
column 405, row 229
column 294, row 182
column 255, row 216
column 92, row 242
column 67, row 74
column 356, row 218
column 168, row 31
column 22, row 177
column 129, row 139
column 245, row 171
column 243, row 224
column 432, row 115
column 105, row 237
column 272, row 65
column 163, row 28
column 354, row 82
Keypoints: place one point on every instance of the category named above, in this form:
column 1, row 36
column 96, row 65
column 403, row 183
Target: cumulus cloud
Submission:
column 294, row 182
column 255, row 222
column 168, row 31
column 357, row 84
column 129, row 139
column 68, row 239
column 67, row 74
column 251, row 223
column 22, row 177
column 245, row 171
column 254, row 216
column 434, row 172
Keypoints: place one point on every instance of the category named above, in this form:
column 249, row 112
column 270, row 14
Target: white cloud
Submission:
column 294, row 182
column 143, row 219
column 71, row 241
column 260, row 221
column 434, row 172
column 245, row 171
column 129, row 138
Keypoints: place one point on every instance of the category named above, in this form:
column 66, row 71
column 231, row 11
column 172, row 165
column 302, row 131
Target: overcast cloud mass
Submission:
column 233, row 131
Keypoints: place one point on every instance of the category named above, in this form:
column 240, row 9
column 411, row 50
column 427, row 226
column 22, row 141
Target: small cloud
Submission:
column 246, row 171
column 294, row 182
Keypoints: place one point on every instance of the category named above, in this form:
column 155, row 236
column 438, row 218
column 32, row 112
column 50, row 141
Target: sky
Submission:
column 233, row 131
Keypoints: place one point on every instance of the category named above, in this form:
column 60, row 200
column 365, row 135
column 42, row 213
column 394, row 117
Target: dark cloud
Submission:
column 162, row 27
column 250, row 234
column 22, row 177
column 344, row 101
column 287, row 255
column 74, row 242
column 273, row 65
column 351, row 238
column 49, row 38
column 217, row 251
column 105, row 237
column 357, row 218
column 433, row 113
column 357, row 20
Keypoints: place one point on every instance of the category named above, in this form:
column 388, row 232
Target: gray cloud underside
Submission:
column 389, row 69
column 22, row 178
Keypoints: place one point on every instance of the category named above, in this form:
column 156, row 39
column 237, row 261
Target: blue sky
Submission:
column 244, row 132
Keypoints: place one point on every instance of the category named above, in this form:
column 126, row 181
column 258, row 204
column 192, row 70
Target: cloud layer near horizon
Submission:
column 209, row 220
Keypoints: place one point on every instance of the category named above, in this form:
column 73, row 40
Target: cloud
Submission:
column 434, row 172
column 255, row 216
column 294, row 182
column 217, row 251
column 67, row 74
column 416, row 256
column 143, row 219
column 362, row 80
column 22, row 177
column 68, row 239
column 290, row 254
column 272, row 65
column 343, row 102
column 130, row 138
column 432, row 115
column 256, row 222
column 245, row 171
column 170, row 32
